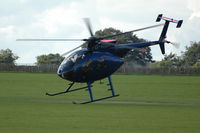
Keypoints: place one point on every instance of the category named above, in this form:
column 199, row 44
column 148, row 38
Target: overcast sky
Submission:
column 63, row 19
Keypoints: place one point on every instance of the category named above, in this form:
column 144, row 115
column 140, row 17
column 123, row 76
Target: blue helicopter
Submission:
column 101, row 58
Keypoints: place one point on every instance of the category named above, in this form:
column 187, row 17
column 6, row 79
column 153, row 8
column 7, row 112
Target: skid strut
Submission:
column 67, row 90
column 89, row 87
column 95, row 100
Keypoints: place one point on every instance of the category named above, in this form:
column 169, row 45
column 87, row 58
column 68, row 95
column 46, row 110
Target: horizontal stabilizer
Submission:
column 179, row 22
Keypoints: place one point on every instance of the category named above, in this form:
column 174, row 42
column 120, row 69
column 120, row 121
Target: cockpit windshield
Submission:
column 70, row 60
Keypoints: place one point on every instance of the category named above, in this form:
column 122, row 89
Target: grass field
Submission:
column 147, row 104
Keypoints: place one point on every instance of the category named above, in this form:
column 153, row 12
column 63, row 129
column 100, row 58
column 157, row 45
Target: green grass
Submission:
column 24, row 107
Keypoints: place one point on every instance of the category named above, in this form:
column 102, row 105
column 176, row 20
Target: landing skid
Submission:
column 100, row 99
column 67, row 91
column 89, row 88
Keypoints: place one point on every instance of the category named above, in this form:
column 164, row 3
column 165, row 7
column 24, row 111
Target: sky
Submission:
column 64, row 19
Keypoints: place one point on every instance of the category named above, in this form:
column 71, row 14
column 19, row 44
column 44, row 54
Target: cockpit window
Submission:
column 73, row 58
column 64, row 61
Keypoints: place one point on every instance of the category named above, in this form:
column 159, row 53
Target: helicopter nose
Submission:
column 60, row 71
column 64, row 72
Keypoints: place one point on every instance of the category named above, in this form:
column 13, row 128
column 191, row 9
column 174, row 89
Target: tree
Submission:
column 55, row 59
column 192, row 54
column 169, row 61
column 196, row 65
column 126, row 38
column 176, row 61
column 140, row 57
column 7, row 57
column 134, row 56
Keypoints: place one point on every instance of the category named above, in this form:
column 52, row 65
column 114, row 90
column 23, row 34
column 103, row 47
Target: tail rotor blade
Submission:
column 175, row 44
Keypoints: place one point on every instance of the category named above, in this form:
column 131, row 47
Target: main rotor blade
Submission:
column 32, row 39
column 88, row 24
column 71, row 50
column 149, row 27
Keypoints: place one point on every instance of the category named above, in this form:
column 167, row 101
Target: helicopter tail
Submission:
column 162, row 40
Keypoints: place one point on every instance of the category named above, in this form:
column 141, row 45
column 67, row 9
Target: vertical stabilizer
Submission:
column 165, row 28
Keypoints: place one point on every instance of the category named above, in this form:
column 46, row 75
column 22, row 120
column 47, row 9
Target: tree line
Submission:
column 189, row 58
column 142, row 57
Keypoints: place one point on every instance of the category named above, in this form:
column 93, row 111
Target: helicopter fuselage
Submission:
column 101, row 58
column 88, row 65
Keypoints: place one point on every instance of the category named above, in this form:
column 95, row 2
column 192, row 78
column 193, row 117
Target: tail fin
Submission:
column 165, row 28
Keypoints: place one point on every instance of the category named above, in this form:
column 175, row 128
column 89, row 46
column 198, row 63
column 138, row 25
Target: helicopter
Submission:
column 101, row 58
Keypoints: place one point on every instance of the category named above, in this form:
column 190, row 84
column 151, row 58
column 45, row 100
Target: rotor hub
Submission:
column 92, row 41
